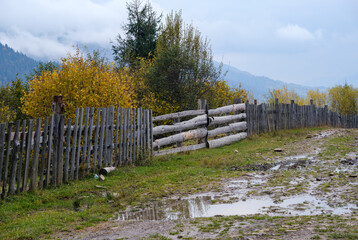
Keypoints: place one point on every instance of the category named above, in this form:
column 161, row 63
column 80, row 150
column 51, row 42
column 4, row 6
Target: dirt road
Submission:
column 305, row 190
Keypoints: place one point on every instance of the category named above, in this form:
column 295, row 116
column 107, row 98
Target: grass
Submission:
column 87, row 202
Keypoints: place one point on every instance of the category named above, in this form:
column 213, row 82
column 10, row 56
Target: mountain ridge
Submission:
column 14, row 64
column 259, row 86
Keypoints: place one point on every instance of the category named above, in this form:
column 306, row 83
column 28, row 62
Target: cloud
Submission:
column 47, row 29
column 297, row 33
column 43, row 47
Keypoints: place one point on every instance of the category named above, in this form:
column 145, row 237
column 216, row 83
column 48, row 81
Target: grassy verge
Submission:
column 84, row 203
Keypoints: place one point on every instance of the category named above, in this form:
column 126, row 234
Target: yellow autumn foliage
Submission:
column 344, row 99
column 221, row 94
column 319, row 98
column 284, row 96
column 83, row 82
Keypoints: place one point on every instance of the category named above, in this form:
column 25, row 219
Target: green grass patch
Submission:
column 84, row 203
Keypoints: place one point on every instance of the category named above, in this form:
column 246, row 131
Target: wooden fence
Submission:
column 267, row 117
column 47, row 152
column 208, row 129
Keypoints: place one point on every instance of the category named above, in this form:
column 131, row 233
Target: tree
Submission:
column 220, row 94
column 5, row 113
column 344, row 99
column 284, row 96
column 183, row 67
column 10, row 98
column 140, row 35
column 42, row 67
column 82, row 82
column 319, row 98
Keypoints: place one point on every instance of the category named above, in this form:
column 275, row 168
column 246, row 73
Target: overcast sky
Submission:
column 310, row 42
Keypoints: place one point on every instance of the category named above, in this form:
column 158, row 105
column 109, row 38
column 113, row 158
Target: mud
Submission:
column 289, row 164
column 308, row 191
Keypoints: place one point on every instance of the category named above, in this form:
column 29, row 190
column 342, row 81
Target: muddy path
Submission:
column 305, row 190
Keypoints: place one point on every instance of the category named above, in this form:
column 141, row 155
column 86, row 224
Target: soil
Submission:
column 307, row 190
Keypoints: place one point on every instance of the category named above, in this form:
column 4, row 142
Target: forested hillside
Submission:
column 12, row 63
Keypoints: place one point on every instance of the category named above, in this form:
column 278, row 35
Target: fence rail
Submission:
column 206, row 125
column 47, row 152
column 267, row 117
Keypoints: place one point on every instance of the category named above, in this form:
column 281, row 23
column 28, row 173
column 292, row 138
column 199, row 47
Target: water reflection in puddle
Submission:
column 203, row 206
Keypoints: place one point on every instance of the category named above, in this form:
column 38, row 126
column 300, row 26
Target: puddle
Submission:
column 324, row 134
column 287, row 164
column 203, row 206
column 256, row 180
column 299, row 157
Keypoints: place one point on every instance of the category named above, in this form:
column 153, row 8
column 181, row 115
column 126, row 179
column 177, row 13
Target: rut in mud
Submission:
column 301, row 191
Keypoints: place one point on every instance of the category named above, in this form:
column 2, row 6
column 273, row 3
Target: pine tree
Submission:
column 140, row 35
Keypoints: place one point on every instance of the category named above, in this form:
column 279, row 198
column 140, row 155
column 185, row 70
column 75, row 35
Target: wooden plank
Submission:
column 125, row 136
column 109, row 137
column 277, row 114
column 14, row 159
column 22, row 145
column 234, row 128
column 151, row 131
column 116, row 140
column 149, row 140
column 89, row 142
column 6, row 162
column 74, row 142
column 101, row 138
column 121, row 145
column 189, row 113
column 181, row 137
column 95, row 146
column 247, row 111
column 222, row 110
column 187, row 125
column 128, row 136
column 27, row 155
column 50, row 151
column 35, row 159
column 79, row 137
column 2, row 148
column 85, row 141
column 43, row 153
column 61, row 132
column 131, row 135
column 254, row 119
column 138, row 135
column 144, row 135
column 227, row 140
column 56, row 122
column 67, row 151
column 134, row 125
column 228, row 109
column 227, row 119
column 182, row 149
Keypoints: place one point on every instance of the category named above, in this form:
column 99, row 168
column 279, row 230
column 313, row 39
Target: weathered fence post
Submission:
column 14, row 159
column 177, row 120
column 255, row 119
column 35, row 159
column 57, row 168
column 248, row 117
column 6, row 163
column 277, row 115
column 202, row 105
